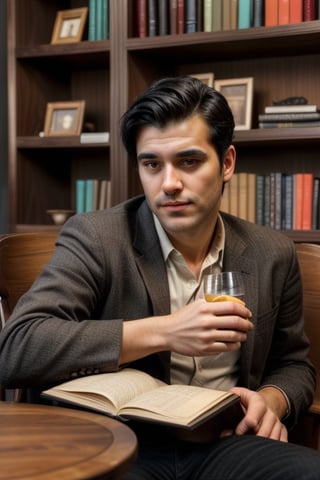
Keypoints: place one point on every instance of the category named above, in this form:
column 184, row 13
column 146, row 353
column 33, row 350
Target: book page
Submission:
column 176, row 402
column 118, row 387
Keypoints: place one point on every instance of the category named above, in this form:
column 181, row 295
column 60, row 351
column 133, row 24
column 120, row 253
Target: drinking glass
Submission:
column 223, row 286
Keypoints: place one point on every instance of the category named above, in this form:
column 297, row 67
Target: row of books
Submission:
column 170, row 17
column 278, row 200
column 92, row 194
column 278, row 116
column 98, row 24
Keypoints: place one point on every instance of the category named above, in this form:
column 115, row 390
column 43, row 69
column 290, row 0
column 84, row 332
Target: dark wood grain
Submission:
column 53, row 443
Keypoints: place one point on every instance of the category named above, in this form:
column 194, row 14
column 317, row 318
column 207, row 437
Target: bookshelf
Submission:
column 284, row 61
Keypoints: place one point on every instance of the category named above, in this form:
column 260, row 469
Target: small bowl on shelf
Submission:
column 59, row 217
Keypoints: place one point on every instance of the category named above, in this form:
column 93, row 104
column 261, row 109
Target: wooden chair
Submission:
column 22, row 257
column 308, row 431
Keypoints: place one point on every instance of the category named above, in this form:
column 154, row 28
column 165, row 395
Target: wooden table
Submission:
column 47, row 442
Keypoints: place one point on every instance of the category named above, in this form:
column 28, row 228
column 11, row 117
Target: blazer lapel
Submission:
column 150, row 262
column 237, row 257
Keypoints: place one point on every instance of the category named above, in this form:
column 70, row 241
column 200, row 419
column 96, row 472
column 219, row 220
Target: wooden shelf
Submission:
column 276, row 41
column 57, row 142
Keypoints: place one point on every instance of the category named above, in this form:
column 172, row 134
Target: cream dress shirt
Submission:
column 216, row 371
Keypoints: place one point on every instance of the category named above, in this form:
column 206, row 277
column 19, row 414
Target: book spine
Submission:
column 271, row 13
column 163, row 17
column 173, row 17
column 217, row 15
column 291, row 109
column 298, row 200
column 309, row 10
column 200, row 15
column 243, row 195
column 226, row 15
column 234, row 14
column 278, row 200
column 283, row 12
column 260, row 199
column 295, row 11
column 252, row 197
column 80, row 195
column 244, row 14
column 307, row 188
column 234, row 202
column 152, row 18
column 89, row 196
column 92, row 20
column 180, row 16
column 207, row 15
column 288, row 202
column 141, row 18
column 288, row 117
column 190, row 16
column 295, row 124
column 225, row 199
column 258, row 13
column 315, row 204
column 99, row 19
column 267, row 200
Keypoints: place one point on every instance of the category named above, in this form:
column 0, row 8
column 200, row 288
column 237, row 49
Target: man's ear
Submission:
column 229, row 163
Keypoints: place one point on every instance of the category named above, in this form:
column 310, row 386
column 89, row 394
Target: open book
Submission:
column 133, row 394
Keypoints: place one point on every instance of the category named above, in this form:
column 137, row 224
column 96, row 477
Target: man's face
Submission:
column 181, row 175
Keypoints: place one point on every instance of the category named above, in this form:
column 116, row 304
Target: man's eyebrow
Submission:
column 191, row 152
column 146, row 156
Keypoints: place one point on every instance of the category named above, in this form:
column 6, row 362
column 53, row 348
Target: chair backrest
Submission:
column 309, row 261
column 22, row 257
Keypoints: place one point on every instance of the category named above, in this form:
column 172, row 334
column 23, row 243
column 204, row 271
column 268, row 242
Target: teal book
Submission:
column 89, row 196
column 244, row 13
column 105, row 19
column 99, row 19
column 80, row 195
column 92, row 20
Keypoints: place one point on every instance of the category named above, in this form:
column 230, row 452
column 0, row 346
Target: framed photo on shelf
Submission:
column 239, row 94
column 206, row 78
column 69, row 25
column 64, row 118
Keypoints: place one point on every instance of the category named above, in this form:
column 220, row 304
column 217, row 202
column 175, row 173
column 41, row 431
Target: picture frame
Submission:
column 239, row 94
column 207, row 78
column 69, row 25
column 64, row 118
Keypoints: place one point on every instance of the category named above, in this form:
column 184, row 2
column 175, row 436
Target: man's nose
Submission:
column 171, row 180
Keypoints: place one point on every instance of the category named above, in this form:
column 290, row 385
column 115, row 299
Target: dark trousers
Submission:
column 231, row 458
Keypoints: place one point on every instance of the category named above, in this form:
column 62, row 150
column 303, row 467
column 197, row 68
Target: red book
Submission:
column 307, row 201
column 309, row 10
column 180, row 16
column 141, row 10
column 271, row 13
column 295, row 11
column 298, row 201
column 283, row 12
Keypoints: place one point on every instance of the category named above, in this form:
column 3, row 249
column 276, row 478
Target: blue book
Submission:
column 244, row 14
column 80, row 196
column 105, row 19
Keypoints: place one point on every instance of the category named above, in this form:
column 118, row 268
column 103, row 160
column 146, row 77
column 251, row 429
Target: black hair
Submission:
column 174, row 99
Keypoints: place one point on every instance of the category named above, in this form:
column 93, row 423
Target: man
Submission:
column 124, row 287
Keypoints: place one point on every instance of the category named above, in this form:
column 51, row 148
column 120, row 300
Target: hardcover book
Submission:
column 133, row 394
column 291, row 108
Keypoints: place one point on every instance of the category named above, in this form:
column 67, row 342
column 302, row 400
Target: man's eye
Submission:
column 152, row 165
column 189, row 162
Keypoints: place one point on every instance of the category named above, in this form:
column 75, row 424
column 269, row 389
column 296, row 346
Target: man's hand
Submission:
column 198, row 329
column 263, row 411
